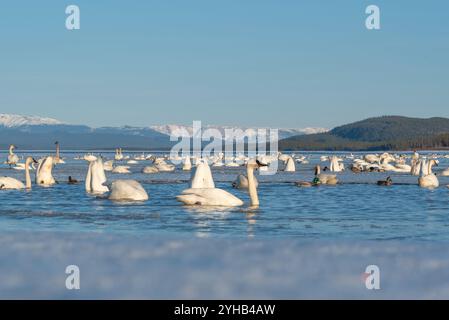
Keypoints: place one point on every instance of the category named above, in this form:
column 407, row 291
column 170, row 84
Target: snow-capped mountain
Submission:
column 14, row 120
column 33, row 132
column 182, row 130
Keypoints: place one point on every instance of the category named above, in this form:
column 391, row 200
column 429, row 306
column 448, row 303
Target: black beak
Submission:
column 34, row 160
column 260, row 164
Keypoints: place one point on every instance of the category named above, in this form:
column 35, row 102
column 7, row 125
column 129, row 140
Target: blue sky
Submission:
column 235, row 62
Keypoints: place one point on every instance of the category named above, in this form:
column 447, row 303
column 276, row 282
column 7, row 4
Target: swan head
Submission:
column 30, row 160
column 255, row 164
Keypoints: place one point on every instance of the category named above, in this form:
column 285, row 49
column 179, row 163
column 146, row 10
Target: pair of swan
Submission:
column 204, row 193
column 121, row 190
column 428, row 179
column 7, row 183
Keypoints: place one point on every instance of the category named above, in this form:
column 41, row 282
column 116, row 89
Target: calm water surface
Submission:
column 356, row 209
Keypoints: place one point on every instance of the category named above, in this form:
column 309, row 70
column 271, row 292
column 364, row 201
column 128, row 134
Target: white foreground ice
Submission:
column 32, row 265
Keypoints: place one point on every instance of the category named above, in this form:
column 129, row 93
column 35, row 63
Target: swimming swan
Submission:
column 7, row 183
column 429, row 179
column 290, row 165
column 187, row 165
column 127, row 190
column 44, row 172
column 58, row 159
column 96, row 177
column 211, row 196
column 329, row 179
column 242, row 182
column 12, row 158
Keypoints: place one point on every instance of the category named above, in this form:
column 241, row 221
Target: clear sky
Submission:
column 288, row 63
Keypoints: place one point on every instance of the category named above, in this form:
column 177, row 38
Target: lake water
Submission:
column 357, row 209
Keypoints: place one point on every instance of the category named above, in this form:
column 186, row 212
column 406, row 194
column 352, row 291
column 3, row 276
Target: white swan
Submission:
column 150, row 169
column 7, row 183
column 163, row 166
column 416, row 166
column 121, row 169
column 118, row 154
column 12, row 158
column 187, row 165
column 335, row 165
column 429, row 179
column 108, row 165
column 96, row 177
column 44, row 172
column 121, row 190
column 58, row 159
column 290, row 165
column 330, row 179
column 241, row 182
column 127, row 190
column 211, row 196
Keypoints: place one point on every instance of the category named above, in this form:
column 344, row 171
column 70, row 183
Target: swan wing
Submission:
column 209, row 197
column 128, row 190
column 10, row 183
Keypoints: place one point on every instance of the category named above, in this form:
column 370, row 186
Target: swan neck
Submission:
column 27, row 174
column 252, row 188
column 89, row 178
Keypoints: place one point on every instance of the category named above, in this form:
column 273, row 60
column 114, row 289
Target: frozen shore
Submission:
column 32, row 265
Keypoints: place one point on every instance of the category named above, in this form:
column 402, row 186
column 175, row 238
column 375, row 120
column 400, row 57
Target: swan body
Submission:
column 429, row 181
column 428, row 178
column 121, row 169
column 202, row 177
column 187, row 165
column 7, row 183
column 89, row 157
column 108, row 165
column 209, row 197
column 96, row 177
column 163, row 166
column 335, row 165
column 290, row 165
column 127, row 190
column 445, row 173
column 44, row 172
column 150, row 169
column 242, row 182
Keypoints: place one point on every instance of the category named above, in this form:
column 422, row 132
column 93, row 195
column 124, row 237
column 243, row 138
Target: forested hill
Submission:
column 382, row 133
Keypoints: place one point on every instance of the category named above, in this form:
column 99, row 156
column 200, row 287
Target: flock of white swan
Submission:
column 202, row 190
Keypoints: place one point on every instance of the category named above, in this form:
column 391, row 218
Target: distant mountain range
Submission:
column 33, row 132
column 381, row 133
